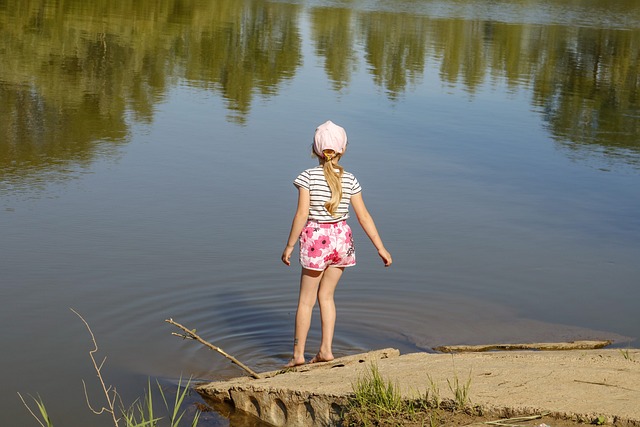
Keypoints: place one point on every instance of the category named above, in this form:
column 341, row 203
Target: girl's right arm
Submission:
column 369, row 227
column 299, row 221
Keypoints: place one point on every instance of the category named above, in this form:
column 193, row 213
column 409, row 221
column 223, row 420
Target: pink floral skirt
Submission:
column 325, row 245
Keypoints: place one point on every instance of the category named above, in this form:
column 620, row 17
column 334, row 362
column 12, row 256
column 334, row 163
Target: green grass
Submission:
column 626, row 354
column 378, row 402
column 460, row 390
column 432, row 400
column 176, row 415
column 43, row 417
column 140, row 414
column 375, row 399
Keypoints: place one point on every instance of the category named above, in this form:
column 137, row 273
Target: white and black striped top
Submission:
column 320, row 193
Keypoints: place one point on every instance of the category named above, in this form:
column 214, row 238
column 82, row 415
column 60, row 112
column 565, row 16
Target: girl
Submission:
column 326, row 243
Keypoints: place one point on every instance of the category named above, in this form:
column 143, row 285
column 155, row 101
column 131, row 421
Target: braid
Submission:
column 334, row 179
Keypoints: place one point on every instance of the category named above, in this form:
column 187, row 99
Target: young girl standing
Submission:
column 326, row 243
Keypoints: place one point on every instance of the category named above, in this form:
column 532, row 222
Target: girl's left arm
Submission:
column 299, row 221
column 369, row 227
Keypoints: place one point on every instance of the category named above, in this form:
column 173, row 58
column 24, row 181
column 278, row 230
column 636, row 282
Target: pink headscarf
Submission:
column 329, row 136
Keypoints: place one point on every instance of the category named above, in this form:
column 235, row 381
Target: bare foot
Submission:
column 294, row 362
column 322, row 358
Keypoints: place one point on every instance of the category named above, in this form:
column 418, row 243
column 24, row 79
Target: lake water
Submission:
column 148, row 149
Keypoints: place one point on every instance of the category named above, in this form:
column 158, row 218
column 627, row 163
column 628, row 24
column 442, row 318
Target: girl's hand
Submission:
column 386, row 257
column 286, row 255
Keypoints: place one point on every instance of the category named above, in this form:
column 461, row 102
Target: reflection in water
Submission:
column 334, row 41
column 71, row 74
column 166, row 231
column 395, row 49
column 45, row 139
column 238, row 49
column 593, row 98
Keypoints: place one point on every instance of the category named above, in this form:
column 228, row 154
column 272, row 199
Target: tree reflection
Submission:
column 72, row 73
column 395, row 49
column 589, row 89
column 332, row 31
column 252, row 48
column 585, row 81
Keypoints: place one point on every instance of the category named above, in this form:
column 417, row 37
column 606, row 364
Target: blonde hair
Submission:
column 333, row 178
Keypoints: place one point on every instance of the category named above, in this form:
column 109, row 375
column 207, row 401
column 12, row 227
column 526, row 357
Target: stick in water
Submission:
column 191, row 334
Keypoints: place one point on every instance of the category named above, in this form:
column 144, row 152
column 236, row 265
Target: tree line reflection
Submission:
column 72, row 72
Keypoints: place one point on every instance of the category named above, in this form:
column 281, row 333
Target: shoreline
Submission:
column 570, row 385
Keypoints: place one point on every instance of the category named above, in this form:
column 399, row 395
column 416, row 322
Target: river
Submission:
column 148, row 150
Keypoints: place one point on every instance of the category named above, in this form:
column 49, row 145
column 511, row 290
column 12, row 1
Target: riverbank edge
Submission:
column 577, row 385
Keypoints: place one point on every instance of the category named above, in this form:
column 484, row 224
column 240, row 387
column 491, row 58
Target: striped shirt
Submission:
column 320, row 193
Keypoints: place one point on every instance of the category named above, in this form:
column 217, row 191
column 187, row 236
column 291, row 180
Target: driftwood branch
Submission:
column 191, row 334
column 514, row 422
column 604, row 384
column 572, row 345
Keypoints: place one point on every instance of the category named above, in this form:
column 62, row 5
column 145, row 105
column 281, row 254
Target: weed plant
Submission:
column 140, row 414
column 41, row 409
column 627, row 356
column 375, row 399
column 460, row 391
column 377, row 402
column 434, row 400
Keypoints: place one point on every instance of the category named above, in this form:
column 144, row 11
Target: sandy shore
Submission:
column 576, row 385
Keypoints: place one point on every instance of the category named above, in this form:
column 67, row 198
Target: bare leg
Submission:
column 326, row 290
column 309, row 284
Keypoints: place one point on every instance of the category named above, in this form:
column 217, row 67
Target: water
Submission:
column 148, row 153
